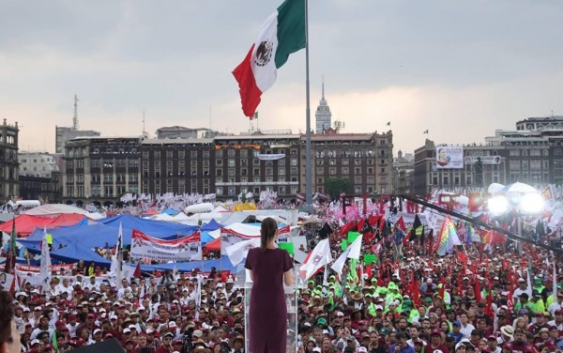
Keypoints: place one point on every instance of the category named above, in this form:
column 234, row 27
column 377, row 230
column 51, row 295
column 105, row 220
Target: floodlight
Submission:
column 497, row 205
column 531, row 203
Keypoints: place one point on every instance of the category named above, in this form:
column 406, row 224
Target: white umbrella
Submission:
column 495, row 188
column 518, row 188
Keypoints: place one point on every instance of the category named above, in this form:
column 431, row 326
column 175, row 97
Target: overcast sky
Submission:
column 460, row 69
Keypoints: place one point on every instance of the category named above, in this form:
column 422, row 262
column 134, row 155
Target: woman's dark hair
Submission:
column 6, row 315
column 267, row 232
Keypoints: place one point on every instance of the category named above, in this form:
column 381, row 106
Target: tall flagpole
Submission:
column 308, row 176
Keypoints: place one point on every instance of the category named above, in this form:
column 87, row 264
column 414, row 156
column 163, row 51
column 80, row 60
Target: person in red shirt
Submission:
column 519, row 345
column 436, row 344
column 166, row 346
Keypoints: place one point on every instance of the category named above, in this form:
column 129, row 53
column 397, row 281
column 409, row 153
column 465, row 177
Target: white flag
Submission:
column 316, row 259
column 239, row 251
column 45, row 262
column 352, row 252
column 117, row 260
column 198, row 297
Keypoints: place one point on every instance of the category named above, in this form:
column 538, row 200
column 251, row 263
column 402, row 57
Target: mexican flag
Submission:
column 282, row 34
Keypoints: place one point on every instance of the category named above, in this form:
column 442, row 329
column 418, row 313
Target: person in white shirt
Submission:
column 92, row 284
column 466, row 327
column 522, row 288
column 556, row 305
column 53, row 289
column 65, row 287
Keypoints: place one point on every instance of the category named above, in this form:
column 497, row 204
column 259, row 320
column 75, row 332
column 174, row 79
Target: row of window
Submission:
column 346, row 170
column 233, row 190
column 99, row 191
column 107, row 178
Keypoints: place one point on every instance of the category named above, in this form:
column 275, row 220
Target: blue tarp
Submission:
column 93, row 236
column 149, row 227
column 213, row 225
column 74, row 252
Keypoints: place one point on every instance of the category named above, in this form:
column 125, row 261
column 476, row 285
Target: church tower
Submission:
column 323, row 116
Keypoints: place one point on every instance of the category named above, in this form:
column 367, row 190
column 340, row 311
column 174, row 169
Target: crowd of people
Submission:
column 407, row 301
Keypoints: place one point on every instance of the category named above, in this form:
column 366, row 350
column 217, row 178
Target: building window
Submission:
column 108, row 190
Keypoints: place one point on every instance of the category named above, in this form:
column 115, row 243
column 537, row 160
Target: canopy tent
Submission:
column 148, row 226
column 150, row 212
column 76, row 251
column 518, row 188
column 25, row 224
column 214, row 245
column 206, row 237
column 93, row 236
column 170, row 212
column 212, row 225
column 495, row 188
column 55, row 209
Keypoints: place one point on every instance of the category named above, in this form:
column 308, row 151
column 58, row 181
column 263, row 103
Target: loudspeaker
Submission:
column 107, row 346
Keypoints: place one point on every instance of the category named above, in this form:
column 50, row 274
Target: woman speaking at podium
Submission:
column 269, row 268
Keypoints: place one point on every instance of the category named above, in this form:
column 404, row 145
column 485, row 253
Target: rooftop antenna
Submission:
column 75, row 125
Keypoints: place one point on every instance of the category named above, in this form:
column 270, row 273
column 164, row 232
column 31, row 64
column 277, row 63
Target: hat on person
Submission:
column 521, row 280
column 361, row 349
column 97, row 331
column 435, row 332
column 34, row 342
column 507, row 330
column 317, row 349
column 167, row 334
column 321, row 321
column 456, row 323
column 492, row 338
column 197, row 333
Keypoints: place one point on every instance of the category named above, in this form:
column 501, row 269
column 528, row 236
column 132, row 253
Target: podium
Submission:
column 291, row 300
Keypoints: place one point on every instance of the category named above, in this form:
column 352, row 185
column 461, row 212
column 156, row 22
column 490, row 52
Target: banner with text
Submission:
column 231, row 236
column 271, row 157
column 184, row 249
column 449, row 157
column 53, row 268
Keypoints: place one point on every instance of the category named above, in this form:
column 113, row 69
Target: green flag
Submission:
column 287, row 247
column 54, row 342
column 369, row 259
column 352, row 236
column 344, row 244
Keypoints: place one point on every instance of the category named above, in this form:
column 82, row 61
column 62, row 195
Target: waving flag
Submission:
column 447, row 238
column 282, row 34
column 352, row 252
column 316, row 259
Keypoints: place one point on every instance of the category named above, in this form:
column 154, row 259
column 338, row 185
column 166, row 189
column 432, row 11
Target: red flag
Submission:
column 382, row 223
column 373, row 220
column 137, row 273
column 401, row 224
column 416, row 294
column 347, row 227
column 369, row 272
